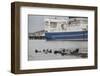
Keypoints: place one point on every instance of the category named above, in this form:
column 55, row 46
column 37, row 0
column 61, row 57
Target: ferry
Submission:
column 71, row 28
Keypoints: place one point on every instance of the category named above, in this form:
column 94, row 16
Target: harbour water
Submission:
column 43, row 44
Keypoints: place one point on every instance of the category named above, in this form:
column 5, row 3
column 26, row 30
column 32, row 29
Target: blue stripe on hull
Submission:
column 80, row 35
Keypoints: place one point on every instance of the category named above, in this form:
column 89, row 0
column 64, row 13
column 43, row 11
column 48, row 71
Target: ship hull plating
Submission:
column 78, row 35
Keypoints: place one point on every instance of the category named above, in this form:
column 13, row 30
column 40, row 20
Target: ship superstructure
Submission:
column 66, row 29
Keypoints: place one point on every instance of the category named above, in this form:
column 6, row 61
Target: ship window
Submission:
column 85, row 21
column 46, row 22
column 62, row 26
column 53, row 24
